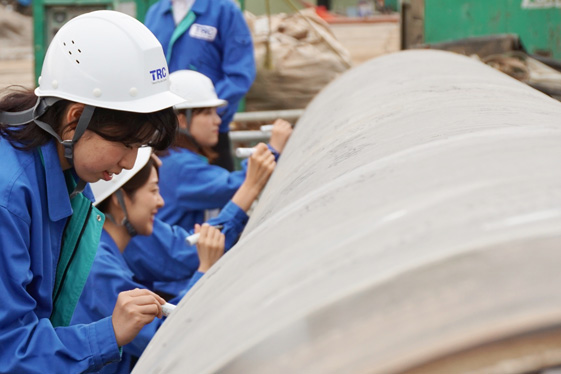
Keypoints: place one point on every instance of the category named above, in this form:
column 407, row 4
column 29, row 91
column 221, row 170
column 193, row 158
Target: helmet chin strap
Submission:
column 28, row 115
column 32, row 115
column 125, row 222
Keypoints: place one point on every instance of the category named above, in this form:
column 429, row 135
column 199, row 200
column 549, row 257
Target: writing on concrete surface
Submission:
column 533, row 4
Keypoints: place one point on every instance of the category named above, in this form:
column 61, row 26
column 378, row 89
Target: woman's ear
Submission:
column 182, row 120
column 72, row 115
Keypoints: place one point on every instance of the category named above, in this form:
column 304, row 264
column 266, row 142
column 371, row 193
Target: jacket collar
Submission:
column 199, row 7
column 58, row 200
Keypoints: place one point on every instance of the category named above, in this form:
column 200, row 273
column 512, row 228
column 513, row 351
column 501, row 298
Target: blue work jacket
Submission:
column 164, row 257
column 217, row 43
column 191, row 185
column 34, row 208
column 109, row 276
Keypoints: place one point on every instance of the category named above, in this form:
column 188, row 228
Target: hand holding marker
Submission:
column 193, row 239
column 247, row 152
column 280, row 132
column 244, row 152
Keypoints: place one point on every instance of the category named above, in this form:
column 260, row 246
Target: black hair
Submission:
column 156, row 129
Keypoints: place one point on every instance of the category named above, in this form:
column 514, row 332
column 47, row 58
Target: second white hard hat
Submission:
column 196, row 89
column 110, row 60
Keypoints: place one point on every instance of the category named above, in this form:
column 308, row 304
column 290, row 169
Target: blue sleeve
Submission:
column 29, row 342
column 108, row 277
column 202, row 186
column 238, row 65
column 273, row 151
column 234, row 219
column 162, row 256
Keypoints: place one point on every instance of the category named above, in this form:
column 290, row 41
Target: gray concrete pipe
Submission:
column 413, row 221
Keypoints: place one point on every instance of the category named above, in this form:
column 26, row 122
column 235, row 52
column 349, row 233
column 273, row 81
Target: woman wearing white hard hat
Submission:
column 191, row 185
column 130, row 201
column 103, row 92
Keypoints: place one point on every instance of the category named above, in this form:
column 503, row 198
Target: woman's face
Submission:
column 144, row 205
column 204, row 127
column 96, row 158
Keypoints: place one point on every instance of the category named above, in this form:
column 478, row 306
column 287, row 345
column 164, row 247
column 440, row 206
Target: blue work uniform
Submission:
column 34, row 209
column 109, row 276
column 164, row 257
column 212, row 39
column 191, row 185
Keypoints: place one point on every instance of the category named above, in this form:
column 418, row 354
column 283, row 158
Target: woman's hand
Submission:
column 281, row 132
column 210, row 246
column 260, row 167
column 133, row 310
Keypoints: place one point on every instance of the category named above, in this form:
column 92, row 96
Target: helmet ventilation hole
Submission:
column 78, row 50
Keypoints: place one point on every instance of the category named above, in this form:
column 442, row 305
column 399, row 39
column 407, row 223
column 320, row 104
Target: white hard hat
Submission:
column 103, row 189
column 196, row 89
column 110, row 60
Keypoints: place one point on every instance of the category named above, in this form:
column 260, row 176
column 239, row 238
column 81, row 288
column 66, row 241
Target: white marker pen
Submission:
column 244, row 152
column 167, row 308
column 266, row 128
column 193, row 239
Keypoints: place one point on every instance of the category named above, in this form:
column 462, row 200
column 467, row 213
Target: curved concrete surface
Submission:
column 415, row 215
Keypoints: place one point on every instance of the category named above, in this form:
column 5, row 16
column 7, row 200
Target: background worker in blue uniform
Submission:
column 94, row 107
column 211, row 37
column 130, row 201
column 192, row 185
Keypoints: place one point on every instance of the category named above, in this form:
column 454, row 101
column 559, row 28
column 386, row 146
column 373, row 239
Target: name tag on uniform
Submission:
column 203, row 32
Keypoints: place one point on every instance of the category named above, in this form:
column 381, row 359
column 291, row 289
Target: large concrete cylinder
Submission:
column 413, row 225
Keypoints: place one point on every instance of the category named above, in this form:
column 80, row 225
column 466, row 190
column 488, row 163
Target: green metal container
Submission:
column 392, row 4
column 537, row 22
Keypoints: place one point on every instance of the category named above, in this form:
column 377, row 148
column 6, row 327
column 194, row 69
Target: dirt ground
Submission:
column 363, row 40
